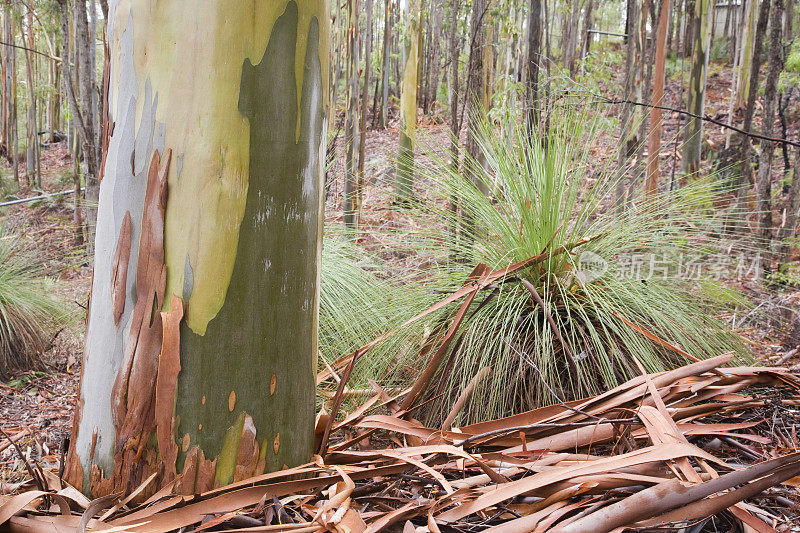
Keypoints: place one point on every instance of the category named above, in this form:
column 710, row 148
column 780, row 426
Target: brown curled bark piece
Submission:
column 169, row 366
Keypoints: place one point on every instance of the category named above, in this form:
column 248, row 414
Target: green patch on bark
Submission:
column 267, row 324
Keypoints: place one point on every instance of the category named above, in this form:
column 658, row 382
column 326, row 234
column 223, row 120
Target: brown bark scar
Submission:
column 205, row 473
column 119, row 274
column 276, row 444
column 232, row 401
column 108, row 126
column 247, row 457
column 169, row 366
column 189, row 478
column 272, row 383
column 94, row 443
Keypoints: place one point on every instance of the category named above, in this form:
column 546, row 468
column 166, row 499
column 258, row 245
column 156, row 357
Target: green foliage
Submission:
column 543, row 197
column 790, row 77
column 29, row 308
column 350, row 294
column 720, row 49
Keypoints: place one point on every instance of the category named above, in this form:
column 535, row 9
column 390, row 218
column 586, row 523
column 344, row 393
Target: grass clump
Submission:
column 531, row 195
column 29, row 309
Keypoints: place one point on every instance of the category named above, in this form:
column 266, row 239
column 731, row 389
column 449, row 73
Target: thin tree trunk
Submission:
column 476, row 95
column 789, row 230
column 12, row 66
column 238, row 280
column 433, row 70
column 654, row 134
column 630, row 115
column 764, row 182
column 351, row 120
column 693, row 133
column 534, row 57
column 72, row 144
column 362, row 144
column 747, row 46
column 454, row 53
column 387, row 15
column 31, row 129
column 404, row 183
column 746, row 175
column 6, row 85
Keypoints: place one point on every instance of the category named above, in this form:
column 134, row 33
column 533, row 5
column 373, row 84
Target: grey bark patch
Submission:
column 121, row 190
column 188, row 279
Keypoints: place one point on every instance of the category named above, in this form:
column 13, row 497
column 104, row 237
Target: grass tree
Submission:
column 201, row 342
column 572, row 324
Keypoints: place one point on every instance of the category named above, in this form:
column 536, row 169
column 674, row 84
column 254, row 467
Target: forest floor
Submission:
column 38, row 406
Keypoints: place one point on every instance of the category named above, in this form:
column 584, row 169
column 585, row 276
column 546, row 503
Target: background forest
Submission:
column 658, row 138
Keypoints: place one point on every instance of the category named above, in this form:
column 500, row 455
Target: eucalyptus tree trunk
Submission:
column 654, row 133
column 404, row 183
column 455, row 124
column 693, row 133
column 383, row 117
column 532, row 72
column 432, row 72
column 746, row 174
column 12, row 69
column 746, row 48
column 84, row 41
column 31, row 176
column 351, row 120
column 789, row 230
column 476, row 93
column 6, row 85
column 764, row 182
column 631, row 116
column 69, row 91
column 362, row 144
column 211, row 213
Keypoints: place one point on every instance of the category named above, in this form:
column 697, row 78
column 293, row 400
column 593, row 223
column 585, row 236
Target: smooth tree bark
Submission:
column 455, row 123
column 433, row 63
column 69, row 91
column 86, row 87
column 384, row 112
column 362, row 125
column 631, row 116
column 746, row 171
column 201, row 341
column 654, row 132
column 404, row 182
column 693, row 132
column 746, row 47
column 352, row 119
column 31, row 176
column 11, row 53
column 532, row 71
column 475, row 97
column 764, row 181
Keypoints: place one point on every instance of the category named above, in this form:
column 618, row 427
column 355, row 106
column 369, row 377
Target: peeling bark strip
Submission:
column 108, row 126
column 119, row 276
column 169, row 365
column 133, row 394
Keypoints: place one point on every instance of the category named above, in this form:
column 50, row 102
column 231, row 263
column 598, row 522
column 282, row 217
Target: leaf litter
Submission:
column 702, row 445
